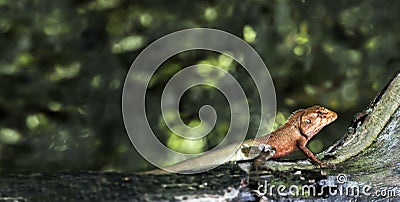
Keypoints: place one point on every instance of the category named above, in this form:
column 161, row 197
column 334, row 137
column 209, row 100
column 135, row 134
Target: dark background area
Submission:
column 63, row 65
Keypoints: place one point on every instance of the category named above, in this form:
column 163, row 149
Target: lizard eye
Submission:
column 308, row 121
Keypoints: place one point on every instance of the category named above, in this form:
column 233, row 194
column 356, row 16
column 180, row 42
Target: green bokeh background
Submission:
column 63, row 64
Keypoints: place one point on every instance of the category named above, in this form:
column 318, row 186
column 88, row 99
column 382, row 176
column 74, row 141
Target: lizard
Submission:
column 300, row 127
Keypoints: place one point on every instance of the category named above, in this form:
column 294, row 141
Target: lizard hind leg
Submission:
column 268, row 153
column 265, row 152
column 266, row 149
column 248, row 153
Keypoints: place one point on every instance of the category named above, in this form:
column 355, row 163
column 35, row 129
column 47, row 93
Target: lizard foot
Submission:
column 327, row 165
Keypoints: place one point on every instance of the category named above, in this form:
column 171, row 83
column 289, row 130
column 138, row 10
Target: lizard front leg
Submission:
column 301, row 144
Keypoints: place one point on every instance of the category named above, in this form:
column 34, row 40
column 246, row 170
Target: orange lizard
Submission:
column 301, row 126
column 297, row 131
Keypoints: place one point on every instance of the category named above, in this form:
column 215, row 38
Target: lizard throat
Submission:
column 302, row 134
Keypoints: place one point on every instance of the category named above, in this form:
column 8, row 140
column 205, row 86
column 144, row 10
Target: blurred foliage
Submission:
column 63, row 64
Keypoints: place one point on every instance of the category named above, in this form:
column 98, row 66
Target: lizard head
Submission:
column 314, row 118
